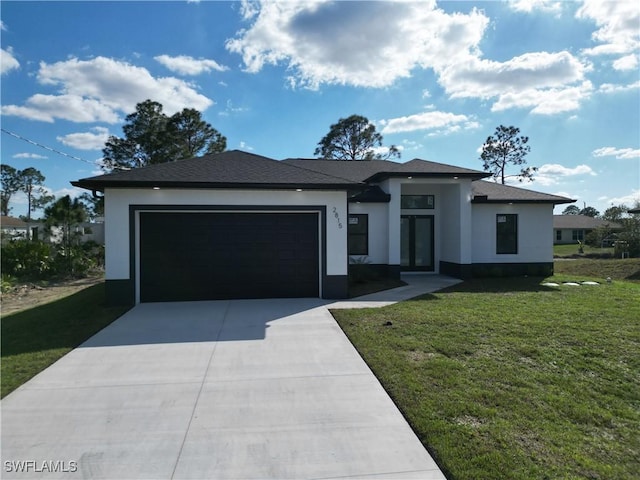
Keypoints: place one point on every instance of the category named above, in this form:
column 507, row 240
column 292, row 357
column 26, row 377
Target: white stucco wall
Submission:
column 117, row 203
column 535, row 243
column 378, row 216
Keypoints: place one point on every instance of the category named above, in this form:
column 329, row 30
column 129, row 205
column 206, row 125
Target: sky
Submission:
column 435, row 78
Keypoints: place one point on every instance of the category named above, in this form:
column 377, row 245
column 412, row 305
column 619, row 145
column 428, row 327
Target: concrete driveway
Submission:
column 244, row 389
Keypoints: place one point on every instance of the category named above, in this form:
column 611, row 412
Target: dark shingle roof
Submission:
column 582, row 222
column 373, row 194
column 491, row 192
column 231, row 169
column 376, row 170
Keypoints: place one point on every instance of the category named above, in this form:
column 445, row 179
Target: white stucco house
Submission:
column 575, row 228
column 239, row 225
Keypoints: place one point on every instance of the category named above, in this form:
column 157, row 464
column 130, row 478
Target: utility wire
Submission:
column 47, row 148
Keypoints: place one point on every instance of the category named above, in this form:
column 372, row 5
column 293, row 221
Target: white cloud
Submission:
column 616, row 152
column 245, row 146
column 368, row 44
column 529, row 6
column 373, row 44
column 3, row 27
column 427, row 121
column 629, row 200
column 46, row 108
column 231, row 109
column 97, row 90
column 186, row 65
column 618, row 21
column 30, row 155
column 552, row 173
column 611, row 88
column 7, row 61
column 93, row 140
column 411, row 145
column 546, row 101
column 628, row 62
column 540, row 81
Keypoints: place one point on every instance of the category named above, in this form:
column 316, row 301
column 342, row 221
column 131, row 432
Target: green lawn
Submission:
column 510, row 379
column 570, row 249
column 34, row 339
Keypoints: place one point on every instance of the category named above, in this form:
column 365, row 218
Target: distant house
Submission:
column 634, row 210
column 13, row 228
column 574, row 228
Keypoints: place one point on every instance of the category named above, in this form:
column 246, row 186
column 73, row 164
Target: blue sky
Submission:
column 435, row 78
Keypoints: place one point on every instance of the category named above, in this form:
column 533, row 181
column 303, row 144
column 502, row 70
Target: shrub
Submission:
column 27, row 259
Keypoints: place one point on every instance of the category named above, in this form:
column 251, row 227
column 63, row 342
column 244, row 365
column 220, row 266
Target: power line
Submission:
column 20, row 137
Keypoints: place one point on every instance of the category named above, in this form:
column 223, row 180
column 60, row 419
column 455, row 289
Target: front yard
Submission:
column 33, row 339
column 511, row 379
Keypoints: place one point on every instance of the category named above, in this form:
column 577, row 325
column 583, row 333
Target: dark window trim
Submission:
column 504, row 244
column 365, row 234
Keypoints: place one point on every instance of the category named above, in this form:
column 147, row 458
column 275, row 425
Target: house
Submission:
column 13, row 228
column 575, row 228
column 240, row 225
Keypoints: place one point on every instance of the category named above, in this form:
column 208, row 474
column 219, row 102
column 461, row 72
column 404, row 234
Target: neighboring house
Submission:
column 13, row 228
column 575, row 228
column 239, row 225
column 86, row 231
column 633, row 210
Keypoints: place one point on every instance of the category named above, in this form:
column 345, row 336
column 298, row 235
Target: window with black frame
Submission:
column 358, row 234
column 408, row 202
column 506, row 233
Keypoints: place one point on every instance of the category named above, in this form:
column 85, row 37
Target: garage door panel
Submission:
column 201, row 256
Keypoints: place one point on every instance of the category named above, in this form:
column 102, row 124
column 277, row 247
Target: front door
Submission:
column 416, row 243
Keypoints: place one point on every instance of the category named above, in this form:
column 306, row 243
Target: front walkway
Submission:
column 243, row 389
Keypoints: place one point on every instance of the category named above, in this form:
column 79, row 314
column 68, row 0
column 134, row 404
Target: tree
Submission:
column 193, row 136
column 354, row 138
column 94, row 205
column 614, row 213
column 31, row 183
column 506, row 148
column 589, row 212
column 151, row 137
column 66, row 214
column 571, row 210
column 10, row 185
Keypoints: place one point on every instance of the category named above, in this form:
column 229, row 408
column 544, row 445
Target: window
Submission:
column 577, row 235
column 417, row 201
column 358, row 234
column 506, row 233
column 558, row 235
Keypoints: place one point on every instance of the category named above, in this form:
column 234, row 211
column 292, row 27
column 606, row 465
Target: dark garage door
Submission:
column 207, row 256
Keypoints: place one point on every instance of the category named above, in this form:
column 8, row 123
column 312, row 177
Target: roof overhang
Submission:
column 377, row 177
column 100, row 186
column 484, row 199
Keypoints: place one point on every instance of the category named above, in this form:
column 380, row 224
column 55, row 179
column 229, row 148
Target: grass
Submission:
column 511, row 379
column 571, row 249
column 34, row 339
column 627, row 269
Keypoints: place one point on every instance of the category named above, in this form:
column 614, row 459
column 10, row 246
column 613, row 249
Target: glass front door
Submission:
column 416, row 243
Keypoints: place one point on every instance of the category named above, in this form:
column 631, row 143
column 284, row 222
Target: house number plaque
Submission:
column 337, row 215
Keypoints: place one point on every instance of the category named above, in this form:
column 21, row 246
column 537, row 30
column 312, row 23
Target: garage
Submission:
column 187, row 256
